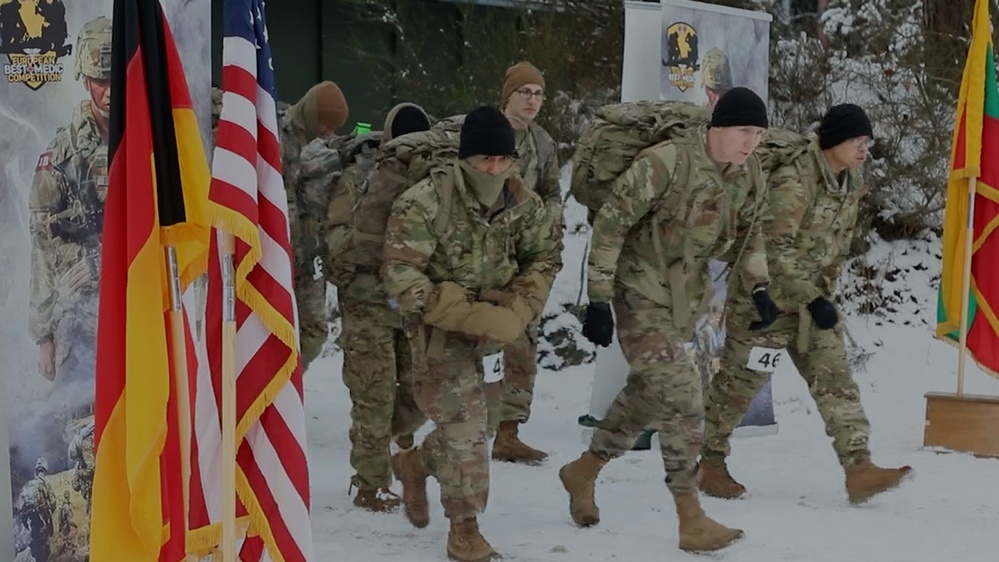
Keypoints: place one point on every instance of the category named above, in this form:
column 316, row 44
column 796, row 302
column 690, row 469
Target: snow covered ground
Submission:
column 796, row 509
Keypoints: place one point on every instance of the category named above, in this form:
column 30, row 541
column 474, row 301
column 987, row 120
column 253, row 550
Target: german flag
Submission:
column 157, row 195
column 976, row 135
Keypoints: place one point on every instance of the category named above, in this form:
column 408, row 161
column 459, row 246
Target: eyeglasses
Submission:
column 528, row 94
column 862, row 141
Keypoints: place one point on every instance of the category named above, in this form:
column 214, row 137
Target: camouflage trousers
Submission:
column 663, row 391
column 823, row 365
column 520, row 369
column 313, row 316
column 451, row 391
column 376, row 364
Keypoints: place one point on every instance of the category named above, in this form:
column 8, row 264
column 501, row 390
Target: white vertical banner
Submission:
column 54, row 117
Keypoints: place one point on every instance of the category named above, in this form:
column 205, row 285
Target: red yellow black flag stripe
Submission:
column 157, row 194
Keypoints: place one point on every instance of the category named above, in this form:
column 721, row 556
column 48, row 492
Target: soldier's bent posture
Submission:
column 468, row 229
column 682, row 203
column 376, row 354
column 808, row 224
column 320, row 112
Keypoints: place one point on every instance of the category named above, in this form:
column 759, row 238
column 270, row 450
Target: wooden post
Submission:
column 227, row 246
column 969, row 239
column 182, row 386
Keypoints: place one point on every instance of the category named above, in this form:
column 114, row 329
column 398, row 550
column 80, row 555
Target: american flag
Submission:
column 247, row 198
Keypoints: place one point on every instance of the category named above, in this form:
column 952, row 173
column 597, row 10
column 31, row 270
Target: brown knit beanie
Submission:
column 323, row 104
column 517, row 76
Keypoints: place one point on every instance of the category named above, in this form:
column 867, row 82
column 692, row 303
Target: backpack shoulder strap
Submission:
column 446, row 192
column 542, row 141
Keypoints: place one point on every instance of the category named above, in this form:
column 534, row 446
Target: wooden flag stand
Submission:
column 962, row 422
column 182, row 386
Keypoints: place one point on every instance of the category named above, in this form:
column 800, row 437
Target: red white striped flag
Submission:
column 247, row 198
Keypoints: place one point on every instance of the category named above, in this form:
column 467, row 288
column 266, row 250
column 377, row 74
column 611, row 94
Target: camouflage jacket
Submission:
column 540, row 172
column 67, row 210
column 37, row 497
column 310, row 171
column 508, row 251
column 363, row 286
column 808, row 223
column 537, row 162
column 671, row 213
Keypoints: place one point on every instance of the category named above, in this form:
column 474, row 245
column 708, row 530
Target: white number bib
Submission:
column 765, row 360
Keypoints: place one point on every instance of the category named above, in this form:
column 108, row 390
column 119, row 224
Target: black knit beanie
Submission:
column 740, row 107
column 487, row 132
column 842, row 123
column 409, row 119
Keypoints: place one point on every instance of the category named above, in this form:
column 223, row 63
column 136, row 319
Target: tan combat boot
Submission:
column 509, row 448
column 715, row 480
column 698, row 532
column 377, row 500
column 409, row 470
column 579, row 478
column 865, row 479
column 466, row 544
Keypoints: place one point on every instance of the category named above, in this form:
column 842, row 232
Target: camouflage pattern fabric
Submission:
column 520, row 370
column 824, row 368
column 809, row 223
column 538, row 166
column 67, row 210
column 510, row 247
column 515, row 250
column 611, row 143
column 375, row 351
column 311, row 168
column 663, row 391
column 667, row 217
column 450, row 391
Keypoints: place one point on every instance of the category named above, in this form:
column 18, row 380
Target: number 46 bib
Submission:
column 765, row 360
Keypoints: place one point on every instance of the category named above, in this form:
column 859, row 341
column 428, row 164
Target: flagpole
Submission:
column 182, row 386
column 227, row 247
column 969, row 239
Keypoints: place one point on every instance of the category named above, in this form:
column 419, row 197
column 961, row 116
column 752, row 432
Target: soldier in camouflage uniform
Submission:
column 470, row 255
column 67, row 208
column 37, row 505
column 809, row 224
column 318, row 115
column 376, row 355
column 81, row 452
column 537, row 164
column 66, row 523
column 716, row 75
column 682, row 203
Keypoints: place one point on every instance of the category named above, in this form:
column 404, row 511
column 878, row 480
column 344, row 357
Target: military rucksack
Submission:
column 620, row 131
column 780, row 147
column 359, row 212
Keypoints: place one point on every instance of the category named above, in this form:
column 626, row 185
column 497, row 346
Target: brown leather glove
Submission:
column 512, row 301
column 448, row 308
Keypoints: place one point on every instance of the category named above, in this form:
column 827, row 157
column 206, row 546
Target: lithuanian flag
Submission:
column 157, row 195
column 974, row 165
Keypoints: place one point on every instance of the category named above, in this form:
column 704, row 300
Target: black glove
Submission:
column 824, row 313
column 598, row 324
column 766, row 307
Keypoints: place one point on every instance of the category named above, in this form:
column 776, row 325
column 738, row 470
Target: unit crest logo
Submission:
column 33, row 36
column 681, row 55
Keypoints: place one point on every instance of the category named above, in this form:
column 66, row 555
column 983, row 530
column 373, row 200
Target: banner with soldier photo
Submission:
column 707, row 50
column 54, row 102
